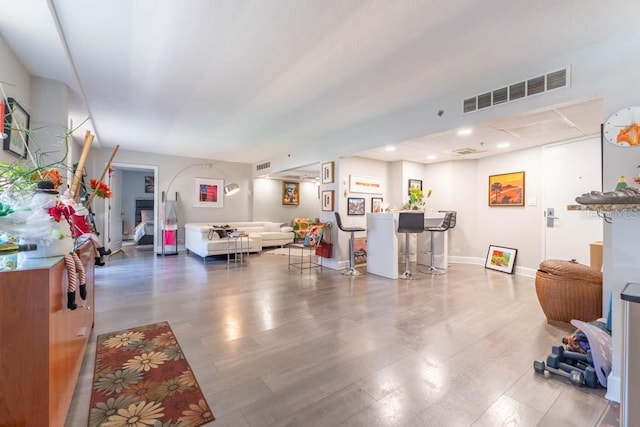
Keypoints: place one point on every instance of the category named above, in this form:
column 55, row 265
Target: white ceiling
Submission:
column 246, row 80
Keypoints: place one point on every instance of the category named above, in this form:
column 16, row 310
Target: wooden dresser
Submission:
column 42, row 343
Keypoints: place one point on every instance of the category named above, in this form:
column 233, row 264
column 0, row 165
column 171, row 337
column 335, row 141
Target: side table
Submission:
column 302, row 264
column 235, row 245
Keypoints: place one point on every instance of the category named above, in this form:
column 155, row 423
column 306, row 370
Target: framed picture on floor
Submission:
column 506, row 189
column 290, row 193
column 376, row 204
column 355, row 206
column 327, row 201
column 501, row 259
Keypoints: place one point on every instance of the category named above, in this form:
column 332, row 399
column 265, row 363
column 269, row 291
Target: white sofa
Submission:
column 200, row 240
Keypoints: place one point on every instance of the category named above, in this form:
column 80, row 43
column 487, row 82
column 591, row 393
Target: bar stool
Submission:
column 351, row 271
column 409, row 222
column 445, row 225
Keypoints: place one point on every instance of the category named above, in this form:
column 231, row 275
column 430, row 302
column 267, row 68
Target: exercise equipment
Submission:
column 576, row 377
column 588, row 373
column 566, row 355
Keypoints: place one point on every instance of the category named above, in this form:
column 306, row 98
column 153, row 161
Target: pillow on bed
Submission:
column 146, row 216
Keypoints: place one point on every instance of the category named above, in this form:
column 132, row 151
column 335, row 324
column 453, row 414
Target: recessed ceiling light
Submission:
column 503, row 145
column 465, row 131
column 432, row 157
column 390, row 148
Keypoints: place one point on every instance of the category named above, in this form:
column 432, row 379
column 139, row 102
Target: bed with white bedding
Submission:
column 145, row 227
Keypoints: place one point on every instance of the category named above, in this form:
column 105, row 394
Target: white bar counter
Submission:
column 382, row 243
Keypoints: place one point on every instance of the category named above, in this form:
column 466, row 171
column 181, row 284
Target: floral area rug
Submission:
column 142, row 378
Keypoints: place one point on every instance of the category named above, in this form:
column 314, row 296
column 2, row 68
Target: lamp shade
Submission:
column 231, row 189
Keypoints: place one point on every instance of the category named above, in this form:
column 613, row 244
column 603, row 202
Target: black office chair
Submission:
column 351, row 271
column 449, row 218
column 409, row 222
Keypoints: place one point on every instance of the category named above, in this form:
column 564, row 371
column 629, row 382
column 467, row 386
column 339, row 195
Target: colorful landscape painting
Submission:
column 506, row 189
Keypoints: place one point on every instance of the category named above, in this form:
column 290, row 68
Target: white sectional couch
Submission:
column 200, row 240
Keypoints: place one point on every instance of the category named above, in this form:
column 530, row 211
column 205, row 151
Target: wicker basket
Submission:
column 568, row 290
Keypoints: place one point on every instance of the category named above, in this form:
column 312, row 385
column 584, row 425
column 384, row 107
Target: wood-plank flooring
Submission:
column 276, row 347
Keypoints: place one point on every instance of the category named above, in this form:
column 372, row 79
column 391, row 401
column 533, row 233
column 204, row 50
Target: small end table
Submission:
column 302, row 264
column 235, row 245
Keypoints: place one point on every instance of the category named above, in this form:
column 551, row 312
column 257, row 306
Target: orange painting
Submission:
column 506, row 189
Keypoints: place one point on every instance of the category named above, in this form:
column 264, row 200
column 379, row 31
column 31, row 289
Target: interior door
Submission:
column 114, row 212
column 570, row 170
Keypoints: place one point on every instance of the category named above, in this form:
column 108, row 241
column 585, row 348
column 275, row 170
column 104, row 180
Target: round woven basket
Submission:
column 568, row 290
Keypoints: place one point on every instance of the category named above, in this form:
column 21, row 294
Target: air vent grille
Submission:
column 263, row 166
column 500, row 96
column 533, row 86
column 465, row 151
column 517, row 91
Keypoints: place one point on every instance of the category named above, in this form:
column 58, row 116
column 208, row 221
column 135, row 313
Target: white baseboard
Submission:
column 613, row 388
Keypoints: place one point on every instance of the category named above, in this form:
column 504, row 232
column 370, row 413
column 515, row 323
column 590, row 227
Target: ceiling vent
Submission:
column 466, row 151
column 262, row 169
column 533, row 86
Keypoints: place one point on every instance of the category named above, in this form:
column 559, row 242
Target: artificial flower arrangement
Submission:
column 416, row 199
column 37, row 215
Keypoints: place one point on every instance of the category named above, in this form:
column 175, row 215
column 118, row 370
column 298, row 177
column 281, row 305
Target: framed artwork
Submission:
column 414, row 183
column 327, row 173
column 290, row 193
column 376, row 204
column 148, row 184
column 364, row 184
column 208, row 193
column 355, row 206
column 506, row 189
column 501, row 259
column 327, row 201
column 16, row 126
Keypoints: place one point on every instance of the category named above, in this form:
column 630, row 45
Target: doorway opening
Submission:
column 131, row 214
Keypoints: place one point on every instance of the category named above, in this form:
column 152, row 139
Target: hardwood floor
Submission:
column 273, row 347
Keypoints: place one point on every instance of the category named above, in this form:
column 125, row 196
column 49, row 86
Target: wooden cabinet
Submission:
column 42, row 343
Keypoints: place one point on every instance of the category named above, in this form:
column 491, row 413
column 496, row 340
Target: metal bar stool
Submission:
column 444, row 226
column 409, row 222
column 351, row 271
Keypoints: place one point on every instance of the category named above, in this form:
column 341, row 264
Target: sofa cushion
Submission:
column 271, row 226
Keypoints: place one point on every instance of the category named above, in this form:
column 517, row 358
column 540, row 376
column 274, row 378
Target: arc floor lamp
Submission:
column 169, row 222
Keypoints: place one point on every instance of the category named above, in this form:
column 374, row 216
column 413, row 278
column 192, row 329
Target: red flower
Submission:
column 101, row 189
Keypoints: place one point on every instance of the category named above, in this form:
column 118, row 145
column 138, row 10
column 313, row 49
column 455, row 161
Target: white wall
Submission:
column 267, row 201
column 15, row 82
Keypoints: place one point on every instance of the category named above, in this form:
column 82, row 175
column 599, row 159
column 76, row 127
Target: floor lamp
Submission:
column 169, row 223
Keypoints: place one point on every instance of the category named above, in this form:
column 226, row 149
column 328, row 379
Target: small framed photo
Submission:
column 501, row 259
column 290, row 193
column 376, row 204
column 148, row 184
column 327, row 173
column 506, row 189
column 208, row 193
column 414, row 183
column 16, row 126
column 327, row 201
column 355, row 205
